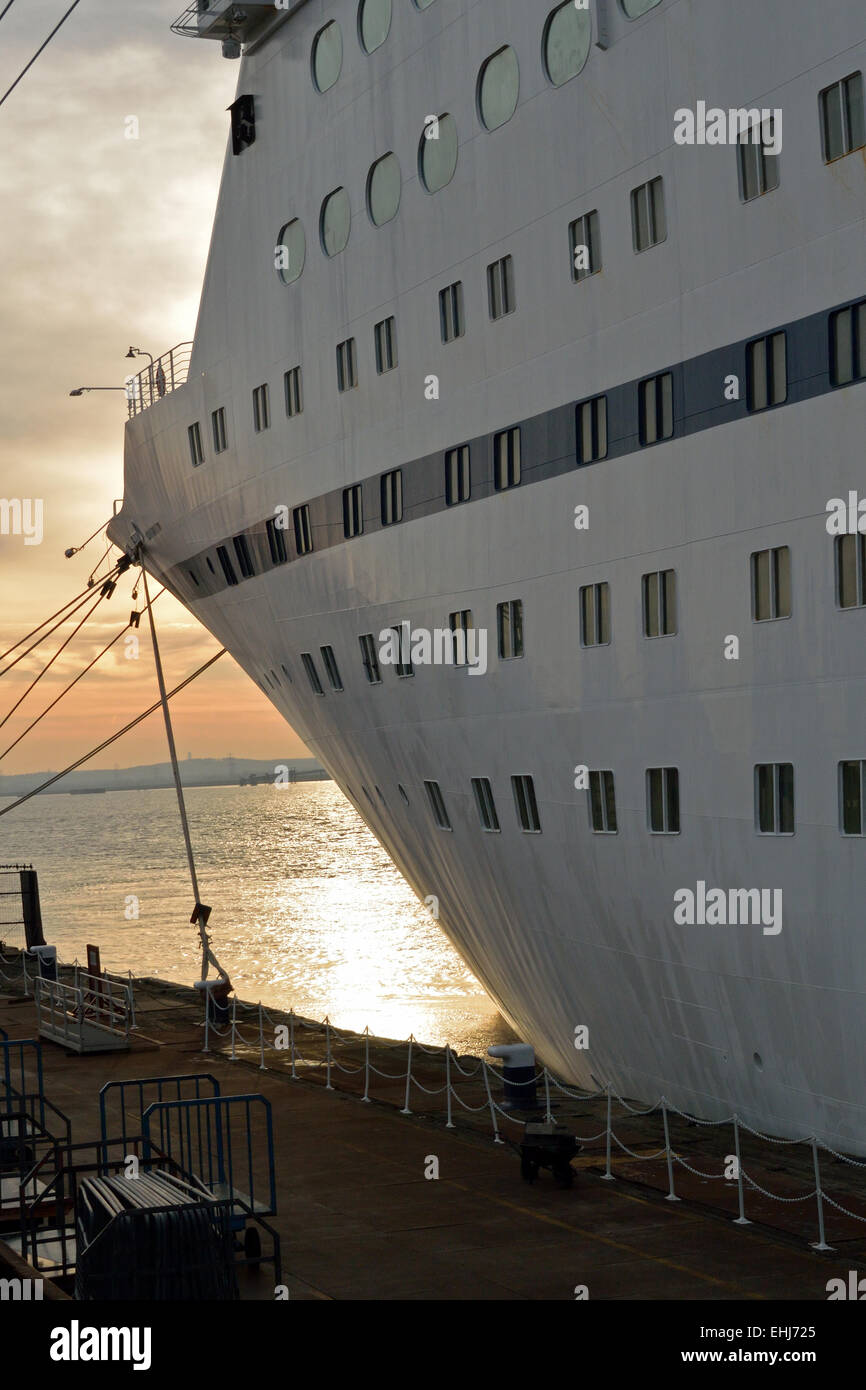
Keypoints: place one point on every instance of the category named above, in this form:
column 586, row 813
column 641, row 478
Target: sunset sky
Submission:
column 103, row 242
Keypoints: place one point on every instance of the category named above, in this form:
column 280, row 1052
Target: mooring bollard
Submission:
column 518, row 1075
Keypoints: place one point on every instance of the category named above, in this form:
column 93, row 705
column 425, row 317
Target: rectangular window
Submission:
column 218, row 425
column 347, row 368
column 457, row 475
column 332, row 670
column 595, row 615
column 648, row 223
column 451, row 322
column 276, row 542
column 227, row 567
column 656, row 408
column 303, row 529
column 509, row 624
column 244, row 558
column 353, row 511
column 774, row 798
column 437, row 805
column 370, row 658
column 663, row 800
column 592, row 430
column 483, row 793
column 758, row 169
column 852, row 783
column 602, row 803
column 771, row 584
column 848, row 344
column 525, row 805
column 293, row 391
column 403, row 666
column 196, row 452
column 660, row 603
column 585, row 244
column 843, row 126
column 391, row 496
column 309, row 666
column 767, row 371
column 851, row 571
column 500, row 287
column 461, row 625
column 261, row 408
column 506, row 459
column 385, row 334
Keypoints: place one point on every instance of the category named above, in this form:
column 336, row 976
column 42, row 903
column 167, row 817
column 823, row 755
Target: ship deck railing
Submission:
column 222, row 19
column 159, row 378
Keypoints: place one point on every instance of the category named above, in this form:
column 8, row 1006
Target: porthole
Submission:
column 290, row 251
column 567, row 39
column 384, row 185
column 335, row 222
column 437, row 153
column 498, row 89
column 327, row 56
column 635, row 8
column 374, row 23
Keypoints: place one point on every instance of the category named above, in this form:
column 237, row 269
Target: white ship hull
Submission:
column 566, row 928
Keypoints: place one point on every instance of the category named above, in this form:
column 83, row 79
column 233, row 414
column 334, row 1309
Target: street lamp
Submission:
column 140, row 352
column 80, row 390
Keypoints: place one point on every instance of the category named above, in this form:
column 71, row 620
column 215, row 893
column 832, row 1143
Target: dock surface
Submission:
column 360, row 1220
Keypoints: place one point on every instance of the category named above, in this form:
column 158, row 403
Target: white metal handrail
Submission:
column 159, row 378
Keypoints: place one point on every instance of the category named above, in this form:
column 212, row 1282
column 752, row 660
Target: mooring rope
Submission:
column 47, row 667
column 74, row 681
column 207, row 954
column 145, row 714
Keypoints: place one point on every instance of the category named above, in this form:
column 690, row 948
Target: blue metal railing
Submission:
column 133, row 1098
column 212, row 1139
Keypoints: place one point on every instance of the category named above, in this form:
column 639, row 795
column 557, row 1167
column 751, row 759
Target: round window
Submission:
column 327, row 56
column 335, row 222
column 635, row 8
column 437, row 156
column 290, row 252
column 498, row 88
column 383, row 190
column 567, row 37
column 374, row 22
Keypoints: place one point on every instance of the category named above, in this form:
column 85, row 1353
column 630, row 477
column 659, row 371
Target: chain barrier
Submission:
column 455, row 1073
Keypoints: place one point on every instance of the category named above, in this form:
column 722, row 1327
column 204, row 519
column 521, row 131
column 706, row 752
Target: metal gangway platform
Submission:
column 85, row 1017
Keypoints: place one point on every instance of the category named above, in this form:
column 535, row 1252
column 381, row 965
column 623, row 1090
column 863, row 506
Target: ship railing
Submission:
column 222, row 19
column 159, row 378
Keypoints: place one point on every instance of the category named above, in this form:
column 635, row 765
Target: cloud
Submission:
column 103, row 243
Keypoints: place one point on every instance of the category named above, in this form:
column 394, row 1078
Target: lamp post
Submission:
column 143, row 352
column 80, row 390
